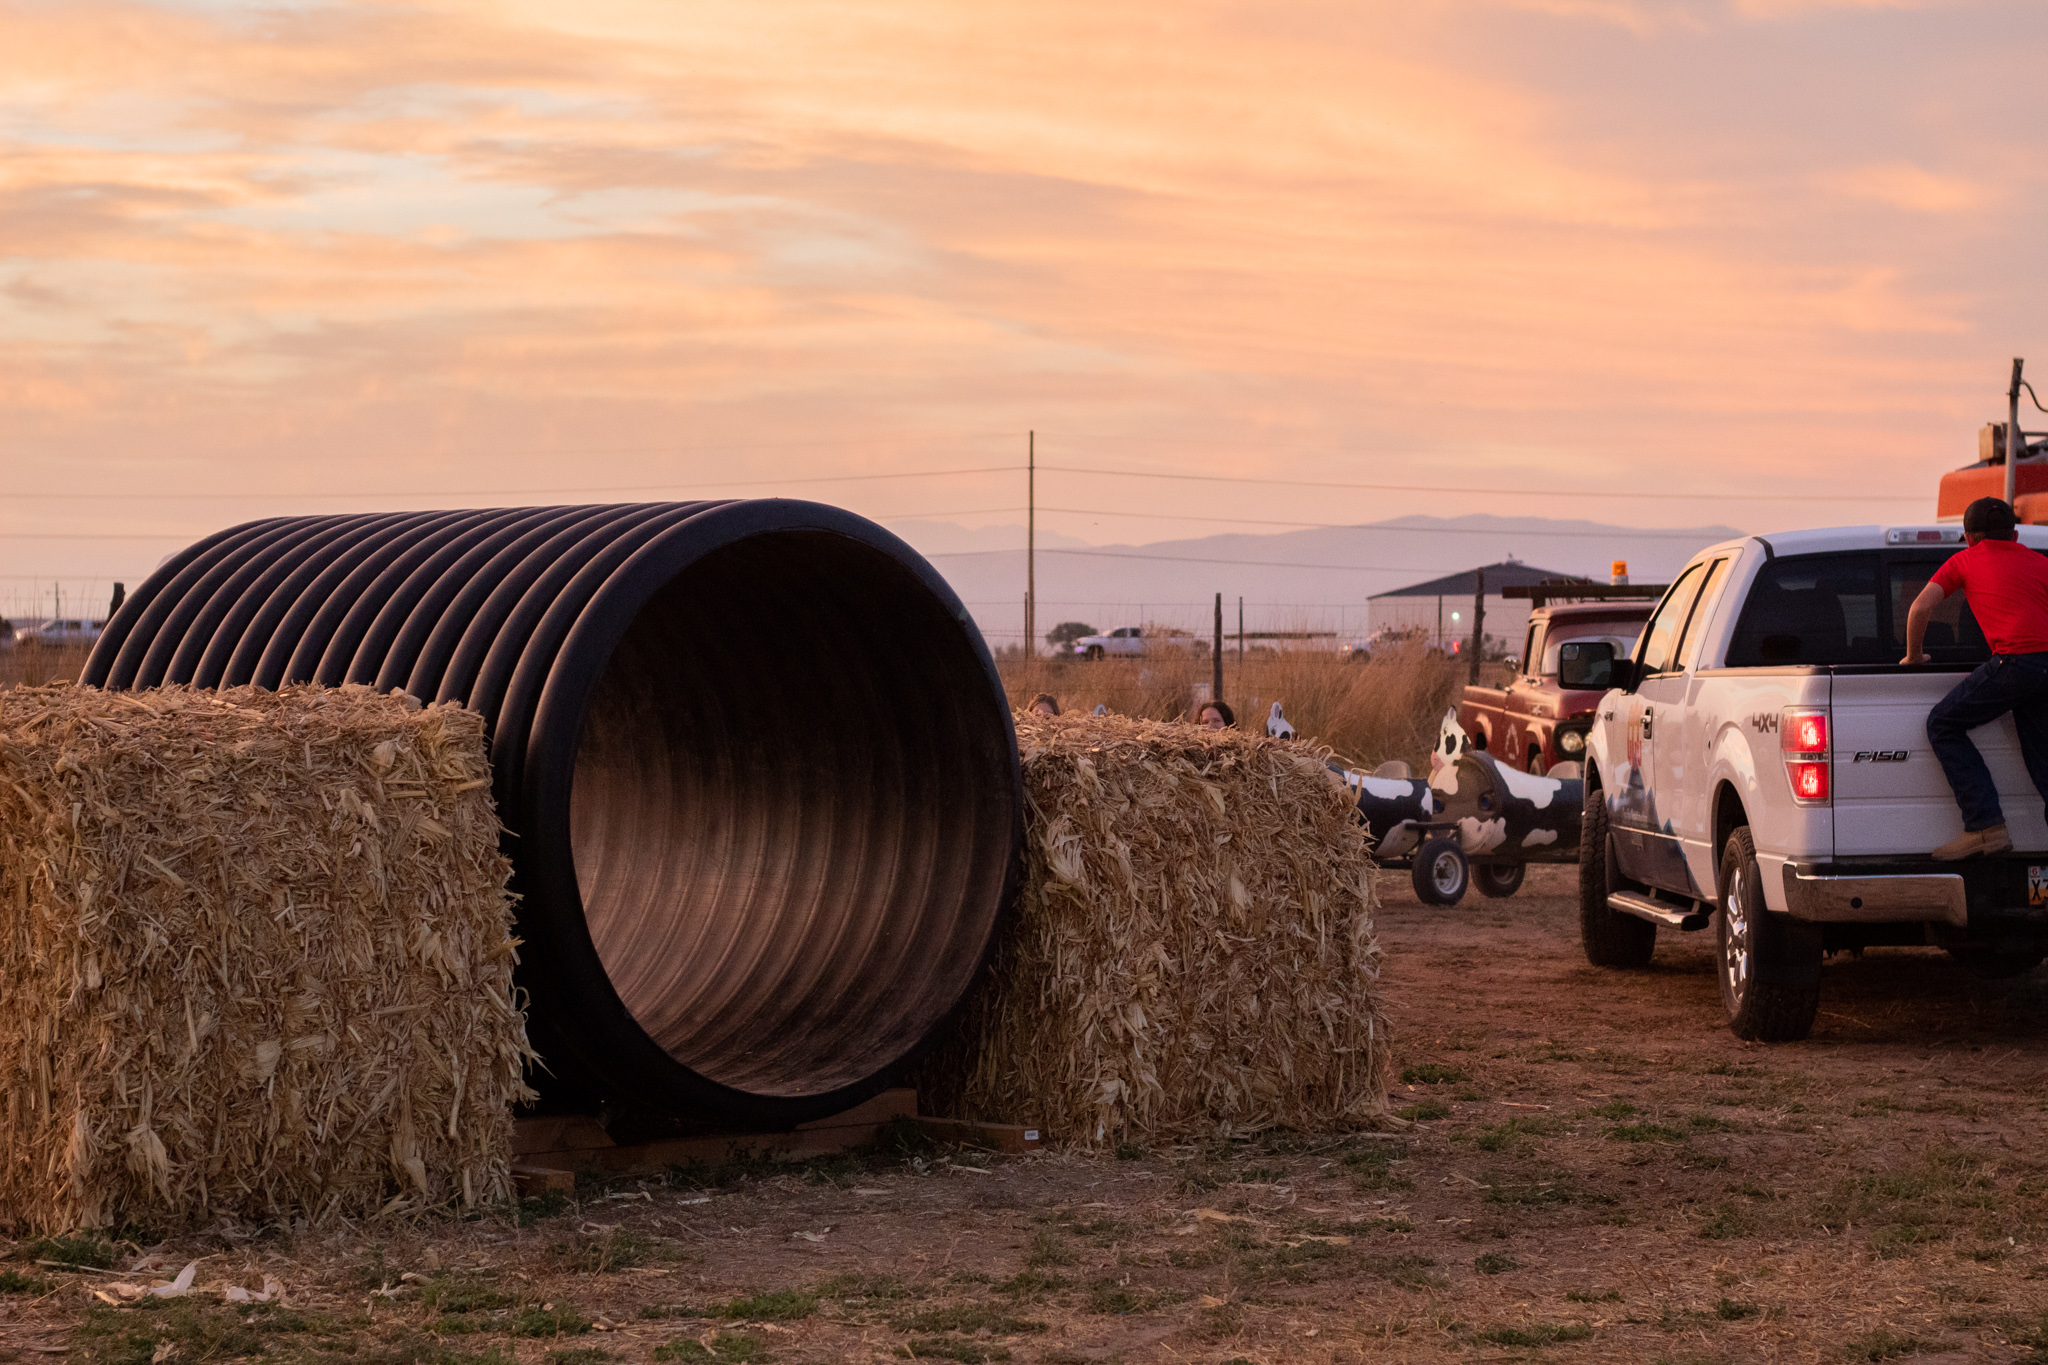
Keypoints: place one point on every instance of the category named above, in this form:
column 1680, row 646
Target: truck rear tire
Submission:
column 1610, row 938
column 1439, row 872
column 1768, row 964
column 1499, row 880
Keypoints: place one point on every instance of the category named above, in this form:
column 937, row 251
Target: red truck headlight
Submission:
column 1803, row 736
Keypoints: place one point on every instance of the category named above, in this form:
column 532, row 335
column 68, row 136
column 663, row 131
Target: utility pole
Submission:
column 1031, row 545
column 1216, row 655
column 1240, row 642
column 2012, row 433
column 1478, row 624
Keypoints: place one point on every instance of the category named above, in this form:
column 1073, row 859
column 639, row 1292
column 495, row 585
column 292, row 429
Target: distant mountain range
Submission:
column 1314, row 579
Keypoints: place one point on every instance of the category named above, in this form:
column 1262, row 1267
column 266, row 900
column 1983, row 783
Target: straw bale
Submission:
column 1193, row 949
column 257, row 956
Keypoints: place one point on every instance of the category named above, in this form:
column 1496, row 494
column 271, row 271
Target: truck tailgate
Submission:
column 1888, row 805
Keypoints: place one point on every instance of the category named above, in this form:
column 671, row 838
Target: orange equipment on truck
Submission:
column 2011, row 464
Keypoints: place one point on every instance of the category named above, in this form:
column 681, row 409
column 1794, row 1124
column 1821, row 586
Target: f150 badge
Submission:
column 1881, row 756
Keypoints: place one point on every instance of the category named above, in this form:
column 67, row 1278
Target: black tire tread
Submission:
column 1610, row 938
column 1773, row 1013
column 1509, row 879
column 1418, row 876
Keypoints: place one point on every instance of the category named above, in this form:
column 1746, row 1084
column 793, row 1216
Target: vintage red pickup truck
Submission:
column 1533, row 723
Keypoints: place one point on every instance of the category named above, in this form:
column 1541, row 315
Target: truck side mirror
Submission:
column 1511, row 664
column 1587, row 665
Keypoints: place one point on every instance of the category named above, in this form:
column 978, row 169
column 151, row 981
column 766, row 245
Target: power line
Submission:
column 1192, row 559
column 1489, row 489
column 191, row 536
column 527, row 492
column 1366, row 526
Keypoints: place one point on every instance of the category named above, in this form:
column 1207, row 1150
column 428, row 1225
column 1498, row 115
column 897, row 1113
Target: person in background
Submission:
column 2006, row 588
column 1215, row 715
column 1045, row 704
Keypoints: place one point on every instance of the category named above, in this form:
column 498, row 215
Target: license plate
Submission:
column 2037, row 886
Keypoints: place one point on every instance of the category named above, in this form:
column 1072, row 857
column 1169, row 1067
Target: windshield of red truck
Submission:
column 1849, row 607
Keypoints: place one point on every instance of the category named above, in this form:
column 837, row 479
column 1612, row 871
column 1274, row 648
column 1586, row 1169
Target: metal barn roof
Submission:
column 1507, row 573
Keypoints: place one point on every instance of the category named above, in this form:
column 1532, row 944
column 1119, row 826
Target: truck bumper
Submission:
column 1875, row 898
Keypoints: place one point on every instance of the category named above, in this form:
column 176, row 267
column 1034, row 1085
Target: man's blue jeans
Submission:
column 2009, row 682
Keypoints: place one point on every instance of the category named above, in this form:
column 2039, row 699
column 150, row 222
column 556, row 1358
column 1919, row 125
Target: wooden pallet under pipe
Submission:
column 548, row 1153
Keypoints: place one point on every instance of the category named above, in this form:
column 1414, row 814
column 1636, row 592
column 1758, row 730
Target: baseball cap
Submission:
column 1990, row 517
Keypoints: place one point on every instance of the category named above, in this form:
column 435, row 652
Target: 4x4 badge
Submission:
column 2037, row 886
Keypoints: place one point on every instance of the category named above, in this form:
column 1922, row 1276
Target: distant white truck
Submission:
column 1762, row 765
column 1131, row 642
column 61, row 632
column 1125, row 642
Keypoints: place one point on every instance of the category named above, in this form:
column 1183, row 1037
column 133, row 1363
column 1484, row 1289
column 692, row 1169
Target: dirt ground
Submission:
column 1597, row 1170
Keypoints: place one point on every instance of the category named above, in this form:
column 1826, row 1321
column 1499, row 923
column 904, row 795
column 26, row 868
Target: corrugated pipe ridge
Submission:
column 756, row 765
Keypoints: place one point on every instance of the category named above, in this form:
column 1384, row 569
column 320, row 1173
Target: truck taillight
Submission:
column 1804, row 732
column 1803, row 735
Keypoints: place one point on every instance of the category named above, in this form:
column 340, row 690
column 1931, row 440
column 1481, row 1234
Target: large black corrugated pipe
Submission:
column 757, row 767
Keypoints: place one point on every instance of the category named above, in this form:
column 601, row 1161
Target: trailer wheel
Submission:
column 1439, row 872
column 1768, row 963
column 1610, row 938
column 1499, row 880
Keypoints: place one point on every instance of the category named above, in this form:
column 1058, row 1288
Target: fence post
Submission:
column 1478, row 623
column 1216, row 655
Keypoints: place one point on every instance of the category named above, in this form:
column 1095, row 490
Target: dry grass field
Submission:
column 1368, row 713
column 32, row 664
column 1594, row 1170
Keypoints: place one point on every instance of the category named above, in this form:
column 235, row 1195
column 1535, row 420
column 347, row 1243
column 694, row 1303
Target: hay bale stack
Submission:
column 1193, row 951
column 256, row 955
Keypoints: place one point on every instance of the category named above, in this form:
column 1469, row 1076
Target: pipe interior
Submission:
column 791, row 814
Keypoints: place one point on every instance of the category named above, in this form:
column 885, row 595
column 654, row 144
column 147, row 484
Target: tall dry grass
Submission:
column 1389, row 708
column 1367, row 713
column 32, row 663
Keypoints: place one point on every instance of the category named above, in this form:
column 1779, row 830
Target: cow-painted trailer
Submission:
column 1473, row 819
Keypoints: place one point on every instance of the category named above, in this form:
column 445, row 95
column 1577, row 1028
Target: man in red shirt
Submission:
column 2007, row 587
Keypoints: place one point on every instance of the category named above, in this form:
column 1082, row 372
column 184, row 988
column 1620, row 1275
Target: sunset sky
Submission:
column 352, row 256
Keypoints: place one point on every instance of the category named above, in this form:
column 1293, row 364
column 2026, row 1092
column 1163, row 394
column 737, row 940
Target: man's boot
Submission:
column 1974, row 844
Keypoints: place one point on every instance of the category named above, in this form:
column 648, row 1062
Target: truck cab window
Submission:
column 1815, row 610
column 1532, row 657
column 1953, row 635
column 1696, row 626
column 1660, row 637
column 1554, row 646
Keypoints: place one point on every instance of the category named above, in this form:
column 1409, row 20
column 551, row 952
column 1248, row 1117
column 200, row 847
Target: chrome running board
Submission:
column 1659, row 911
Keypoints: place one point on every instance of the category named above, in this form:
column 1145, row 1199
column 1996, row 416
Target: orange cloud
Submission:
column 1904, row 186
column 1597, row 240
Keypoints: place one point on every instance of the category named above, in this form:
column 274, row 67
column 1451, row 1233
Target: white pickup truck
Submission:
column 1125, row 642
column 1131, row 642
column 1762, row 765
